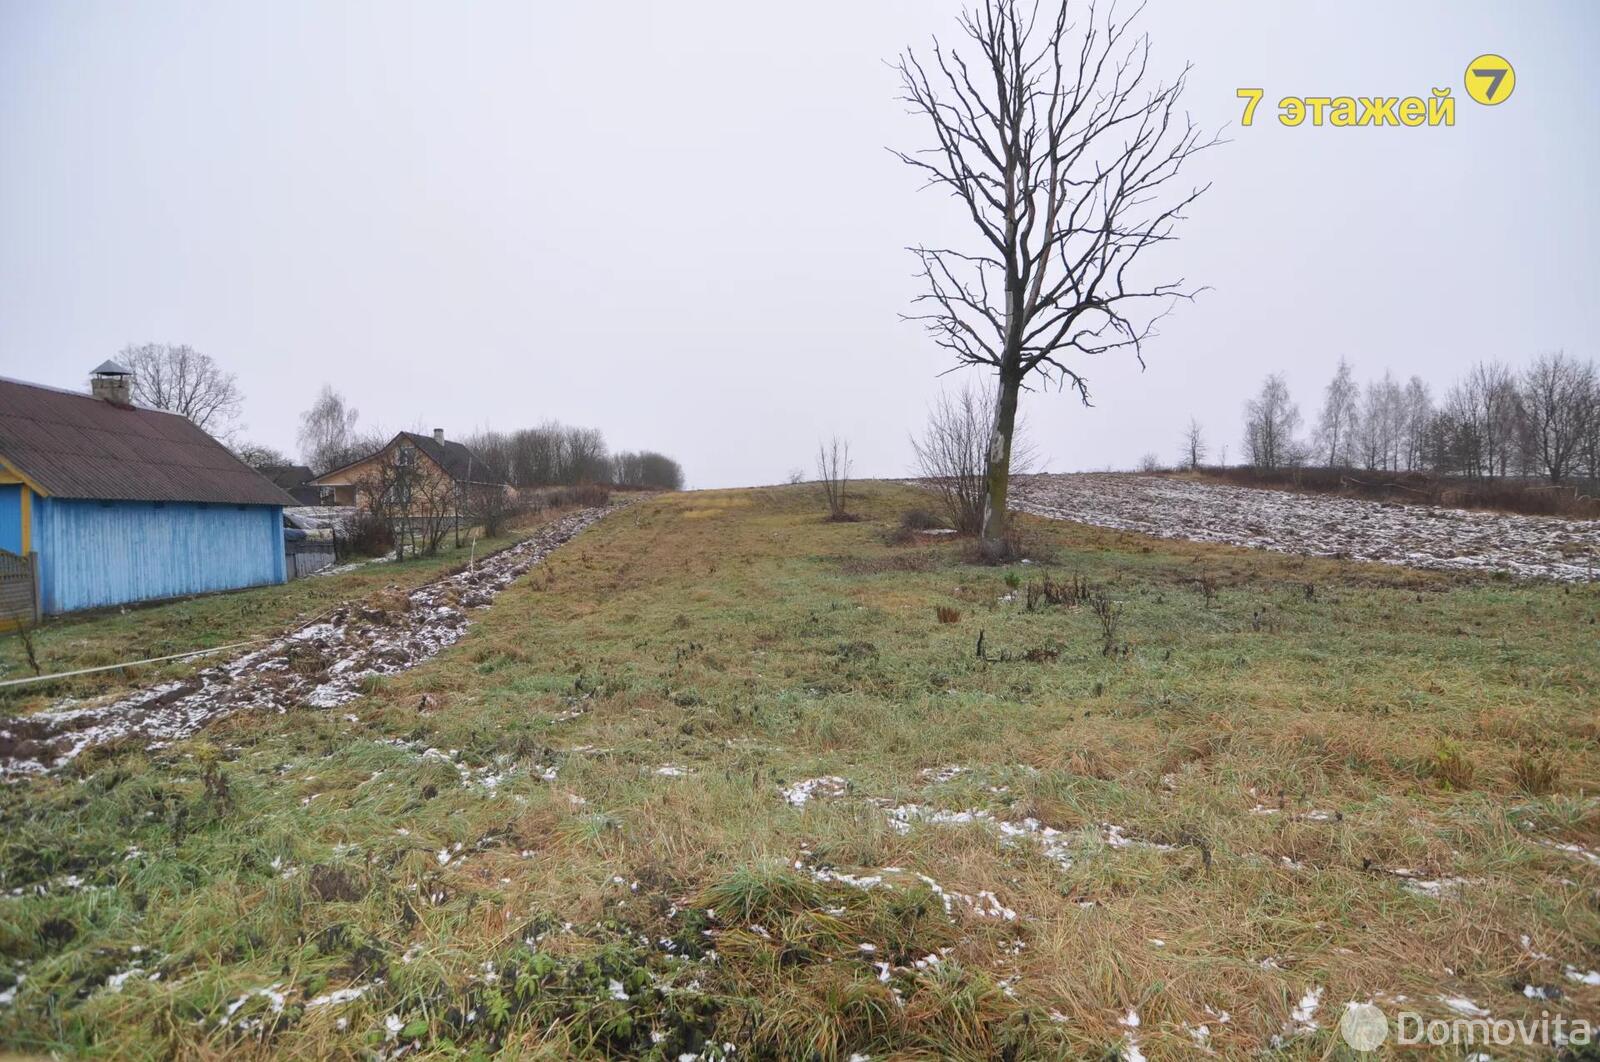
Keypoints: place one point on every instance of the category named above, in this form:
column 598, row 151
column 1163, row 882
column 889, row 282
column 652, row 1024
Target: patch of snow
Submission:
column 8, row 996
column 1578, row 850
column 810, row 788
column 115, row 982
column 1304, row 1014
column 340, row 995
column 1465, row 1006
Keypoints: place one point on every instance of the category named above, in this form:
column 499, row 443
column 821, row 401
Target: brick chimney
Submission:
column 112, row 383
column 438, row 435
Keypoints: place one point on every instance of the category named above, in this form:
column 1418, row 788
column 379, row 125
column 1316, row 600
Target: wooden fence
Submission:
column 303, row 556
column 19, row 590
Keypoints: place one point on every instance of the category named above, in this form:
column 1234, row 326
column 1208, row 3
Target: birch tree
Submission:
column 1064, row 152
column 1557, row 400
column 1337, row 426
column 1270, row 420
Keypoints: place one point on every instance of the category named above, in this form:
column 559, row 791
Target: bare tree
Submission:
column 491, row 506
column 326, row 431
column 584, row 457
column 1337, row 427
column 646, row 468
column 181, row 380
column 492, row 450
column 1194, row 445
column 418, row 501
column 833, row 469
column 1378, row 430
column 1064, row 154
column 1590, row 446
column 536, row 455
column 1495, row 411
column 1558, row 396
column 260, row 455
column 1418, row 403
column 953, row 450
column 1270, row 422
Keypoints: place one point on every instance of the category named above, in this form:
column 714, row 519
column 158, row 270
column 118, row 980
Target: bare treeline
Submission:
column 1543, row 421
column 556, row 454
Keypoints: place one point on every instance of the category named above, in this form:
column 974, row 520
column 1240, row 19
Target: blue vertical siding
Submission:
column 93, row 554
column 11, row 517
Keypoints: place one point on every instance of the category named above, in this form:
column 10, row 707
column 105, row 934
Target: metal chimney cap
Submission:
column 110, row 368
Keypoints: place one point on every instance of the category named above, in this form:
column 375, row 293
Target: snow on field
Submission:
column 1321, row 525
column 321, row 665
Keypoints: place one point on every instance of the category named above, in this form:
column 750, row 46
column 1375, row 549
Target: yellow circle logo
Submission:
column 1490, row 79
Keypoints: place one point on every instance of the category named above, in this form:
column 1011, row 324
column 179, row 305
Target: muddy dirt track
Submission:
column 320, row 665
column 1320, row 525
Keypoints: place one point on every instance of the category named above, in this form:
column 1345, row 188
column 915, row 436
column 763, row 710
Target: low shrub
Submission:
column 582, row 496
column 364, row 535
column 1068, row 593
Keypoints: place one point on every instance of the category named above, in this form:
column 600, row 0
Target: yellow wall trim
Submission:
column 27, row 521
column 10, row 473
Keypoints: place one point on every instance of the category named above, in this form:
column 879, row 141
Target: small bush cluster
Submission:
column 1046, row 591
column 366, row 534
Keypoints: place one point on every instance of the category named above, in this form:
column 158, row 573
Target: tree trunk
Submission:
column 997, row 473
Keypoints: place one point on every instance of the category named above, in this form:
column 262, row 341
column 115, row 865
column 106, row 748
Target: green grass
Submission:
column 536, row 885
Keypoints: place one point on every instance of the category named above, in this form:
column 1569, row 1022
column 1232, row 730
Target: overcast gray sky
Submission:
column 677, row 221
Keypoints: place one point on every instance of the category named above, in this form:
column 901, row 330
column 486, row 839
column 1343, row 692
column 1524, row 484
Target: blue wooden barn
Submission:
column 103, row 503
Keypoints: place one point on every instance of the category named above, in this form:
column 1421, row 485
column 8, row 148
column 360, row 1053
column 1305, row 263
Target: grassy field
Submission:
column 718, row 774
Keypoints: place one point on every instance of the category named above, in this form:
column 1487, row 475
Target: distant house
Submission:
column 104, row 503
column 414, row 464
column 295, row 481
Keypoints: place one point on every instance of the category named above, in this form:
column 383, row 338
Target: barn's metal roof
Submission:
column 72, row 445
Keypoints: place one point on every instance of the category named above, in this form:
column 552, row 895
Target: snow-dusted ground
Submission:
column 320, row 665
column 1419, row 536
